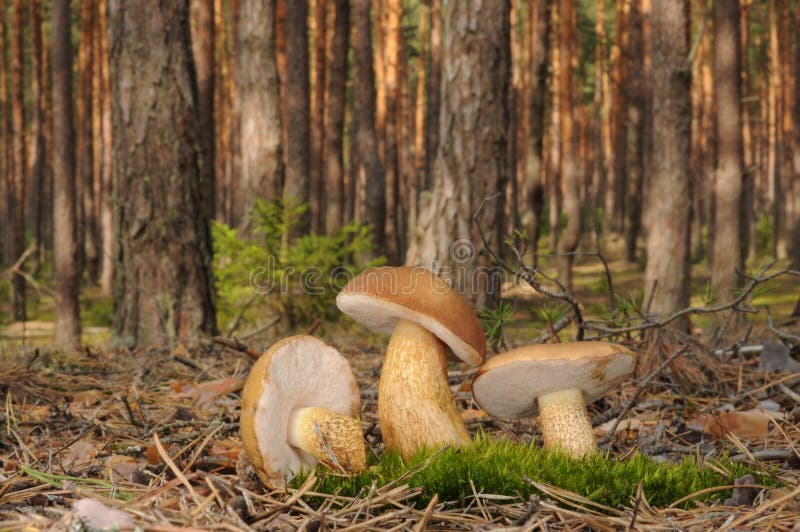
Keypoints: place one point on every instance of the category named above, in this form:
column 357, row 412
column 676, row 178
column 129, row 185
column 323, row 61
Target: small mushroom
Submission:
column 299, row 406
column 563, row 378
column 423, row 313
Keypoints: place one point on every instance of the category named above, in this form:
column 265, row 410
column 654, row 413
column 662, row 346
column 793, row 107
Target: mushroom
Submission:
column 423, row 313
column 299, row 407
column 563, row 378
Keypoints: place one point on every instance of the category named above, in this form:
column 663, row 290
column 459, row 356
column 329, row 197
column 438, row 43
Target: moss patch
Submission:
column 501, row 467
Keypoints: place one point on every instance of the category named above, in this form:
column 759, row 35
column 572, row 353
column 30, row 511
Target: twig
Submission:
column 782, row 335
column 261, row 329
column 236, row 345
column 239, row 316
column 766, row 455
column 641, row 387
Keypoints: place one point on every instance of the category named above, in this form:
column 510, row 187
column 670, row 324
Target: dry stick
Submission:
column 642, row 385
column 239, row 316
column 423, row 523
column 236, row 345
column 782, row 335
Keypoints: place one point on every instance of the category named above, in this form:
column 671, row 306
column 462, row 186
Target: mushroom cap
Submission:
column 379, row 297
column 296, row 372
column 508, row 384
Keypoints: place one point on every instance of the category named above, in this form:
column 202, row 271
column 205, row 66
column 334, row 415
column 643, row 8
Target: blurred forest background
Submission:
column 163, row 164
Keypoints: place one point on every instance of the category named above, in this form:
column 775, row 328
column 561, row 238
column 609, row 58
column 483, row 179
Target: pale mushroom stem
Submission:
column 565, row 422
column 333, row 439
column 415, row 406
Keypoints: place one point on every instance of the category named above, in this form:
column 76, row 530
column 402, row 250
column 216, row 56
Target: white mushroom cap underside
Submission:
column 382, row 316
column 509, row 391
column 304, row 372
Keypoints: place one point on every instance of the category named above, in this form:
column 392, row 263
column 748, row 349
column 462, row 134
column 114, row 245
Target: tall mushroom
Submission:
column 563, row 378
column 423, row 314
column 299, row 406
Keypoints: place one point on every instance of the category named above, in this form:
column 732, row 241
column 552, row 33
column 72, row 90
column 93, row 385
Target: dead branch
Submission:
column 780, row 334
column 236, row 345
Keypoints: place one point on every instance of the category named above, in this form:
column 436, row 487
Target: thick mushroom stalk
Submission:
column 415, row 406
column 565, row 422
column 334, row 439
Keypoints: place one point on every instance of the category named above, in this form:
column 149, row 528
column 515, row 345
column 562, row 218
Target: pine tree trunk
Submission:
column 471, row 164
column 788, row 185
column 433, row 91
column 554, row 140
column 570, row 168
column 615, row 195
column 296, row 189
column 67, row 324
column 392, row 41
column 634, row 131
column 18, row 155
column 773, row 121
column 257, row 108
column 668, row 236
column 598, row 176
column 6, row 168
column 795, row 250
column 162, row 277
column 319, row 30
column 369, row 169
column 37, row 153
column 203, row 38
column 334, row 127
column 535, row 155
column 106, row 163
column 728, row 184
column 87, row 227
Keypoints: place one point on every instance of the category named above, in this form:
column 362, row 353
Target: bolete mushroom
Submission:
column 299, row 406
column 423, row 313
column 563, row 378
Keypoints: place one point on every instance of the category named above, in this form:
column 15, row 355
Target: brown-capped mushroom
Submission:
column 299, row 406
column 563, row 378
column 423, row 314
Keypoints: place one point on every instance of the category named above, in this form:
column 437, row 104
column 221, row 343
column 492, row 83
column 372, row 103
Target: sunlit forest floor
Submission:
column 154, row 433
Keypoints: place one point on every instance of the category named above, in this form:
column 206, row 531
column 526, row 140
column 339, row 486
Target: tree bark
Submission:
column 162, row 277
column 6, row 167
column 433, row 91
column 668, row 237
column 728, row 184
column 67, row 324
column 392, row 41
column 369, row 168
column 334, row 127
column 296, row 189
column 773, row 123
column 554, row 138
column 106, row 163
column 258, row 108
column 472, row 160
column 37, row 152
column 319, row 32
column 18, row 155
column 87, row 226
column 634, row 131
column 615, row 169
column 568, row 240
column 795, row 251
column 203, row 38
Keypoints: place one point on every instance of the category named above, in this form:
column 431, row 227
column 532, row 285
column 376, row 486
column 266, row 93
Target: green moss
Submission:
column 501, row 468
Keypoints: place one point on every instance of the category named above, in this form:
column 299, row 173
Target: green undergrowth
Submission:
column 501, row 468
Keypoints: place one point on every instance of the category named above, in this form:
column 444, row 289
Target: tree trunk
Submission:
column 162, row 278
column 6, row 168
column 369, row 169
column 433, row 91
column 318, row 31
column 668, row 237
column 471, row 164
column 795, row 251
column 535, row 155
column 334, row 127
column 392, row 42
column 747, row 219
column 67, row 324
column 728, row 184
column 87, row 227
column 258, row 108
column 568, row 240
column 789, row 193
column 18, row 155
column 634, row 131
column 296, row 189
column 597, row 184
column 773, row 121
column 615, row 195
column 203, row 37
column 37, row 153
column 106, row 163
column 554, row 140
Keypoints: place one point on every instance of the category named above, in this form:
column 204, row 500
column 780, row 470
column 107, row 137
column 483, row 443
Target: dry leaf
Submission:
column 96, row 515
column 226, row 448
column 121, row 466
column 206, row 392
column 628, row 429
column 81, row 451
column 87, row 397
column 753, row 423
column 471, row 414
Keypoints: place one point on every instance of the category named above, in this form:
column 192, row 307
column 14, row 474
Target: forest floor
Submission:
column 154, row 434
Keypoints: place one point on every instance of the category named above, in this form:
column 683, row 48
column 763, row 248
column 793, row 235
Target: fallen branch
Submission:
column 236, row 345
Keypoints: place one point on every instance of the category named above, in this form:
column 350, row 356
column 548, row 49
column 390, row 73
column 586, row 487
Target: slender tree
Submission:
column 433, row 90
column 37, row 149
column 162, row 277
column 258, row 106
column 369, row 169
column 6, row 166
column 728, row 183
column 634, row 131
column 319, row 33
column 297, row 188
column 334, row 128
column 471, row 163
column 65, row 247
column 615, row 195
column 87, row 224
column 667, row 272
column 203, row 36
column 392, row 43
column 106, row 162
column 18, row 154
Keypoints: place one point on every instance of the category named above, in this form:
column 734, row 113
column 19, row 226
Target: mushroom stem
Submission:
column 565, row 422
column 334, row 439
column 415, row 406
